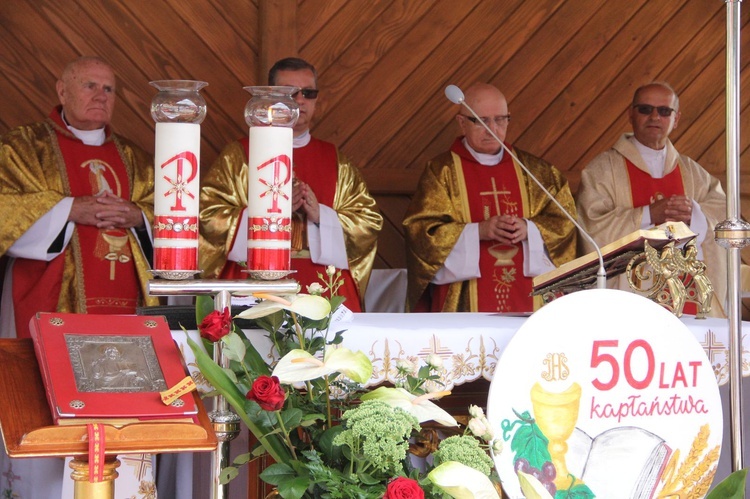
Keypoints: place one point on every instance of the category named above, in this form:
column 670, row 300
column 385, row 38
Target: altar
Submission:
column 470, row 345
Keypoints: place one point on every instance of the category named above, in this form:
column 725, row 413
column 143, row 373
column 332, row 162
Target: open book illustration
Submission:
column 581, row 272
column 638, row 455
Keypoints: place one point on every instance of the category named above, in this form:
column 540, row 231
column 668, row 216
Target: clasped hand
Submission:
column 505, row 229
column 671, row 209
column 304, row 200
column 105, row 211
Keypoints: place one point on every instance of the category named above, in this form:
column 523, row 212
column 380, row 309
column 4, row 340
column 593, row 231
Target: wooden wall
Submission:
column 568, row 67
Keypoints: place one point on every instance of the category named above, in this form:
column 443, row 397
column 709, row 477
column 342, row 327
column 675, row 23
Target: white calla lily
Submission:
column 299, row 365
column 531, row 487
column 419, row 406
column 311, row 306
column 463, row 482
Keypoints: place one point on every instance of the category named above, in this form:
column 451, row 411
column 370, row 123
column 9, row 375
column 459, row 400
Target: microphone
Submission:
column 456, row 96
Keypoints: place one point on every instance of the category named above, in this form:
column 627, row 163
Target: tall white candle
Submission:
column 176, row 194
column 269, row 198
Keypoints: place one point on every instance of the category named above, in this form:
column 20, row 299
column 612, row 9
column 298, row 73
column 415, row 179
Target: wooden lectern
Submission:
column 28, row 429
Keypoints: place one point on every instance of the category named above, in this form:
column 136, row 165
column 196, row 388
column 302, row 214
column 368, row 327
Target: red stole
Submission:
column 105, row 280
column 316, row 164
column 503, row 286
column 651, row 189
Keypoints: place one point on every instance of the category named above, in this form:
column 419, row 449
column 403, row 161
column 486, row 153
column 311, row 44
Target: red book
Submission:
column 109, row 367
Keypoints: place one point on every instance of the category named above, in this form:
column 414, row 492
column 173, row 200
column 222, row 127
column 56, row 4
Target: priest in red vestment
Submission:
column 76, row 201
column 478, row 229
column 336, row 221
column 643, row 181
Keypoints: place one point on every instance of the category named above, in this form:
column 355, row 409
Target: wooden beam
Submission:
column 278, row 33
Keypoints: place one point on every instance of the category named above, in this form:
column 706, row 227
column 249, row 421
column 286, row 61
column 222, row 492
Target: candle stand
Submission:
column 226, row 424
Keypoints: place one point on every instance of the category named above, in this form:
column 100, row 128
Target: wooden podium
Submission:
column 28, row 429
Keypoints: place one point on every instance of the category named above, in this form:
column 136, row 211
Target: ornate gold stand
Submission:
column 28, row 429
column 670, row 277
column 99, row 490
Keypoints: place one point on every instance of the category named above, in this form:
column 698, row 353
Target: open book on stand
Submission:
column 109, row 368
column 580, row 273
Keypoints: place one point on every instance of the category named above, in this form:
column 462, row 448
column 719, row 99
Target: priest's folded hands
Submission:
column 505, row 229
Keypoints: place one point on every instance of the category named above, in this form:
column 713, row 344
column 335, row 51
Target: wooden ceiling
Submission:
column 568, row 68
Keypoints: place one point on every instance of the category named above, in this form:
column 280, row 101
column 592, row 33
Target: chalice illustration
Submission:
column 556, row 414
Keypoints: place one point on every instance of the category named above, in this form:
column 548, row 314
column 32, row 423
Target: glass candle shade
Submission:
column 270, row 114
column 178, row 109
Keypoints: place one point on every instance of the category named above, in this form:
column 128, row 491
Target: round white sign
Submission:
column 603, row 393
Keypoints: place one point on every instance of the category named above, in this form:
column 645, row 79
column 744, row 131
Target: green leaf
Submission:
column 243, row 458
column 204, row 305
column 325, row 442
column 220, row 381
column 228, row 474
column 294, row 488
column 277, row 473
column 367, row 479
column 233, row 347
column 253, row 360
column 291, row 418
column 732, row 487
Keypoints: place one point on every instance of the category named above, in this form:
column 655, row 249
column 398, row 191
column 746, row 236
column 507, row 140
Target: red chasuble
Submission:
column 495, row 190
column 105, row 272
column 316, row 164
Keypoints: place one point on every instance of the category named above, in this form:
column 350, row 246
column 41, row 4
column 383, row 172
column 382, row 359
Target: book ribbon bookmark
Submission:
column 96, row 452
column 186, row 385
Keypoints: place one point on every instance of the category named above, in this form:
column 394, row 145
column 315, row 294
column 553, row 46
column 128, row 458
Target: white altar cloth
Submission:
column 470, row 344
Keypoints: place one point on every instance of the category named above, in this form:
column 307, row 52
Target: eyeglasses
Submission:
column 307, row 93
column 646, row 109
column 499, row 120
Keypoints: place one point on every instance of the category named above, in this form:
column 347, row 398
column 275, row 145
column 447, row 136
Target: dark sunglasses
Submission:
column 646, row 109
column 307, row 93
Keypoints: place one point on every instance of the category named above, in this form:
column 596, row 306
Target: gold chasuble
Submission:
column 335, row 182
column 100, row 271
column 455, row 190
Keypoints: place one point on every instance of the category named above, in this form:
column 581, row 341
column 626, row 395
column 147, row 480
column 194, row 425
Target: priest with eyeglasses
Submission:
column 478, row 229
column 643, row 181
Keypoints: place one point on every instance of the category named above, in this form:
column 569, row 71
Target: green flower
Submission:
column 380, row 434
column 462, row 482
column 310, row 306
column 466, row 450
column 299, row 365
column 419, row 406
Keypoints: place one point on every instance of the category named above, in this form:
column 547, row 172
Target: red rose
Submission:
column 403, row 488
column 267, row 392
column 216, row 325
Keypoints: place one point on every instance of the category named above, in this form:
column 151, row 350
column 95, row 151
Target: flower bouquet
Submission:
column 328, row 435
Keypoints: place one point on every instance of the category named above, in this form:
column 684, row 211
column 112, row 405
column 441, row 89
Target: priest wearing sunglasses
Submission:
column 643, row 181
column 336, row 221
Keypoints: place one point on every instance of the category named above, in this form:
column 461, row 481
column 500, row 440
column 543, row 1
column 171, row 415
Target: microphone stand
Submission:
column 456, row 96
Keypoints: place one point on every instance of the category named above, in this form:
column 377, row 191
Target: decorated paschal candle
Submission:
column 178, row 109
column 270, row 114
